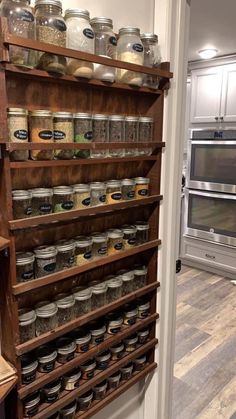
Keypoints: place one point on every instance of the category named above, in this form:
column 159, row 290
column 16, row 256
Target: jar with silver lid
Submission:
column 116, row 134
column 117, row 351
column 114, row 320
column 17, row 122
column 65, row 254
column 88, row 369
column 130, row 314
column 98, row 193
column 105, row 46
column 103, row 360
column 63, row 131
column 65, row 304
column 24, row 266
column 41, row 131
column 83, row 251
column 100, row 134
column 45, row 260
column 100, row 390
column 143, row 335
column 114, row 194
column 99, row 295
column 152, row 58
column 146, row 125
column 46, row 356
column 83, row 127
column 81, row 196
column 128, row 189
column 41, row 201
column 131, row 133
column 22, row 204
column 126, row 372
column 97, row 330
column 114, row 380
column 82, row 339
column 140, row 362
column 129, row 239
column 80, row 37
column 142, row 232
column 83, row 301
column 130, row 49
column 140, row 277
column 31, row 405
column 128, row 283
column 50, row 393
column 131, row 343
column 65, row 350
column 114, row 289
column 85, row 400
column 143, row 308
column 68, row 412
column 115, row 241
column 46, row 317
column 63, row 198
column 27, row 320
column 28, row 369
column 99, row 247
column 71, row 380
column 142, row 187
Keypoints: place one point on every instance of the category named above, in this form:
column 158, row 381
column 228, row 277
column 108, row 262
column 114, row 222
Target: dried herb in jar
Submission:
column 24, row 266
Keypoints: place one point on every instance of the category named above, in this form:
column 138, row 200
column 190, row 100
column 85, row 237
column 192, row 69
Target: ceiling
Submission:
column 212, row 24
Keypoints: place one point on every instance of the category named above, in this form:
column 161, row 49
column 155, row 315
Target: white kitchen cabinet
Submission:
column 228, row 102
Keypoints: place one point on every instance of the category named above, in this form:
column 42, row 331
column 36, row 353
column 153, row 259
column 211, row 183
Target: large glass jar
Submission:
column 81, row 196
column 83, row 132
column 152, row 58
column 46, row 317
column 51, row 29
column 20, row 23
column 22, row 204
column 17, row 121
column 80, row 37
column 116, row 134
column 105, row 46
column 41, row 131
column 41, row 201
column 130, row 49
column 63, row 125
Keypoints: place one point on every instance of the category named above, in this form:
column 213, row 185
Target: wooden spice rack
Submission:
column 36, row 89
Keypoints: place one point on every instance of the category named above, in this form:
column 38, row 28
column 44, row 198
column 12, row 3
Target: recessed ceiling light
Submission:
column 207, row 53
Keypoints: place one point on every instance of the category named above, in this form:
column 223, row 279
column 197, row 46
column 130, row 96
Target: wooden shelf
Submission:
column 60, row 276
column 60, row 370
column 82, row 146
column 113, row 394
column 4, row 243
column 93, row 315
column 66, row 397
column 5, row 389
column 33, row 222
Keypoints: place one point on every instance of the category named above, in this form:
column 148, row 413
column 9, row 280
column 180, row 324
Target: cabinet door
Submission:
column 228, row 104
column 206, row 95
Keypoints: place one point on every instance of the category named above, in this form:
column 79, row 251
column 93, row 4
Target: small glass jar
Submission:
column 17, row 122
column 65, row 350
column 99, row 295
column 116, row 134
column 142, row 232
column 71, row 380
column 143, row 309
column 83, row 251
column 130, row 49
column 128, row 283
column 117, row 351
column 41, row 201
column 114, row 323
column 51, row 29
column 28, row 369
column 81, row 196
column 65, row 304
column 129, row 239
column 152, row 58
column 130, row 314
column 88, row 369
column 31, row 405
column 63, row 130
column 99, row 247
column 100, row 390
column 65, row 254
column 105, row 46
column 140, row 277
column 143, row 335
column 146, row 125
column 46, row 359
column 27, row 320
column 140, row 362
column 115, row 241
column 63, row 198
column 83, row 302
column 46, row 317
column 126, row 372
column 100, row 134
column 24, row 267
column 68, row 412
column 80, row 37
column 114, row 380
column 114, row 194
column 114, row 289
column 103, row 360
column 45, row 260
column 85, row 401
column 131, row 343
column 142, row 187
column 41, row 131
column 128, row 189
column 82, row 339
column 22, row 204
column 97, row 330
column 50, row 393
column 131, row 133
column 83, row 127
column 98, row 193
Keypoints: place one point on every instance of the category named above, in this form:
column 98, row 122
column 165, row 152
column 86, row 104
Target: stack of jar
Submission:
column 48, row 315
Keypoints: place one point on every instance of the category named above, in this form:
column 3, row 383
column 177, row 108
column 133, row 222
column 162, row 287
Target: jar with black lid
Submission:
column 65, row 254
column 22, row 204
column 46, row 359
column 83, row 127
column 41, row 201
column 152, row 58
column 17, row 122
column 46, row 317
column 24, row 266
column 45, row 260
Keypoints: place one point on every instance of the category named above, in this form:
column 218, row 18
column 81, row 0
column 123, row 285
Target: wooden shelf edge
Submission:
column 62, row 275
column 82, row 146
column 5, row 389
column 54, row 334
column 112, row 395
column 4, row 243
column 48, row 410
column 33, row 222
column 46, row 378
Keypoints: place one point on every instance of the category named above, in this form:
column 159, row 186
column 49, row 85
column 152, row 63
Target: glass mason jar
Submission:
column 130, row 49
column 65, row 304
column 24, row 267
column 27, row 320
column 100, row 134
column 115, row 241
column 99, row 295
column 81, row 196
column 129, row 239
column 41, row 131
column 152, row 58
column 83, row 302
column 45, row 261
column 65, row 254
column 142, row 187
column 142, row 232
column 116, row 134
column 20, row 23
column 63, row 198
column 146, row 125
column 98, row 194
column 41, row 201
column 128, row 189
column 83, row 132
column 131, row 133
column 80, row 37
column 22, row 204
column 113, row 191
column 99, row 248
column 51, row 29
column 46, row 317
column 63, row 129
column 83, row 251
column 105, row 46
column 17, row 121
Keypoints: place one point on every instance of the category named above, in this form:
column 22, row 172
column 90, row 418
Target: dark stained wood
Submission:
column 5, row 389
column 4, row 243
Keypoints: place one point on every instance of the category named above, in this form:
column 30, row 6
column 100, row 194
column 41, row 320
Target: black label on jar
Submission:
column 103, row 365
column 32, row 411
column 88, row 135
column 113, row 40
column 102, row 198
column 115, row 330
column 28, row 211
column 71, row 260
column 144, row 314
column 88, row 255
column 46, row 135
column 29, row 378
column 48, row 367
column 102, row 251
column 118, row 246
column 132, row 321
column 21, row 134
column 25, row 15
column 59, row 135
column 86, row 202
column 143, row 192
column 50, row 267
column 68, row 205
column 84, row 348
column 132, row 242
column 88, row 33
column 131, row 194
column 90, row 374
column 116, row 196
column 28, row 275
column 45, row 208
column 51, row 398
column 138, row 47
column 99, row 340
column 60, row 25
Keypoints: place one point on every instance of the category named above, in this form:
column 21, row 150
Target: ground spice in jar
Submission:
column 46, row 359
column 26, row 324
column 113, row 191
column 131, row 129
column 65, row 304
column 22, row 204
column 131, row 343
column 100, row 134
column 41, row 201
column 129, row 239
column 128, row 189
column 45, row 260
column 115, row 241
column 114, row 323
column 145, row 129
column 99, row 247
column 46, row 317
column 83, row 132
column 81, row 196
column 143, row 335
column 143, row 309
column 140, row 362
column 114, row 289
column 117, row 351
column 63, row 198
column 142, row 235
column 65, row 254
column 24, row 266
column 83, row 302
column 142, row 187
column 98, row 194
column 17, row 121
column 130, row 314
column 65, row 350
column 63, row 126
column 83, row 251
column 41, row 131
column 71, row 380
column 128, row 283
column 116, row 134
column 99, row 293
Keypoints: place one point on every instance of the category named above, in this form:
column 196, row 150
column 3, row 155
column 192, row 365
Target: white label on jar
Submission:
column 88, row 33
